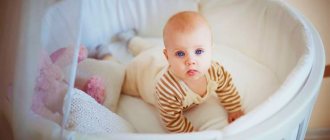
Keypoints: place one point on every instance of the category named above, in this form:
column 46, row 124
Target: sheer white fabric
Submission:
column 88, row 116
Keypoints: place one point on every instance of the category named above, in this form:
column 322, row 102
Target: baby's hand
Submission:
column 234, row 116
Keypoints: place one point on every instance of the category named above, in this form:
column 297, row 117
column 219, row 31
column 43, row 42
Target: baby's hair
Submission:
column 186, row 21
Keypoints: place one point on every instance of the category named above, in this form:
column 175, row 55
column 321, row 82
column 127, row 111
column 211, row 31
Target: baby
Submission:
column 190, row 76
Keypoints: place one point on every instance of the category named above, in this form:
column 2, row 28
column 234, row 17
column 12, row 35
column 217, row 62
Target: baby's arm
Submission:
column 227, row 93
column 171, row 112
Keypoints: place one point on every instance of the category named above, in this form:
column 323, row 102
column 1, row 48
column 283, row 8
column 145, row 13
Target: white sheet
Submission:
column 210, row 115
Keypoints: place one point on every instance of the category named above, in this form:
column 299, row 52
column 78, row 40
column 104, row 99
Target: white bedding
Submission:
column 263, row 44
column 267, row 71
column 210, row 115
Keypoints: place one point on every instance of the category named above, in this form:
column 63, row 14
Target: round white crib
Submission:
column 275, row 55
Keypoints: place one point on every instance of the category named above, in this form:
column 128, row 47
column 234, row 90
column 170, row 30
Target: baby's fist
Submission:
column 234, row 116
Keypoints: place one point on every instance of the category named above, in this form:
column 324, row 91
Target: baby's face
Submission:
column 189, row 53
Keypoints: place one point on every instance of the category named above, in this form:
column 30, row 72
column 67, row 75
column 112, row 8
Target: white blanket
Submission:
column 209, row 115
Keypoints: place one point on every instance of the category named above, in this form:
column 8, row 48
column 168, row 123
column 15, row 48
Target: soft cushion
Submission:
column 88, row 116
column 111, row 72
column 210, row 115
column 144, row 117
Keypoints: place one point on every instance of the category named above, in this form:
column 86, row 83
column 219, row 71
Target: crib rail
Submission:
column 293, row 126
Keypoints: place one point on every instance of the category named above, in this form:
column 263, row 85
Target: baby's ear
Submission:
column 165, row 53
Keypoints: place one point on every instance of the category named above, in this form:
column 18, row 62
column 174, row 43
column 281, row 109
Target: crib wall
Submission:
column 246, row 25
column 317, row 13
column 100, row 23
column 264, row 30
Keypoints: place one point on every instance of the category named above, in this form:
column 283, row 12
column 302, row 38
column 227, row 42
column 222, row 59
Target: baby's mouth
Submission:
column 192, row 72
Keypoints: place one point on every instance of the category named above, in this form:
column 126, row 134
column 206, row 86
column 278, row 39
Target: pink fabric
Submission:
column 51, row 86
column 95, row 88
column 49, row 90
column 67, row 53
column 55, row 55
column 83, row 53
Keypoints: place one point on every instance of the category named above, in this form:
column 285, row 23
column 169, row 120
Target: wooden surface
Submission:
column 327, row 71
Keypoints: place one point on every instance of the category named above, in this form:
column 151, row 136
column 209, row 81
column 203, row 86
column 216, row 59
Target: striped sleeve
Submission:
column 170, row 97
column 226, row 91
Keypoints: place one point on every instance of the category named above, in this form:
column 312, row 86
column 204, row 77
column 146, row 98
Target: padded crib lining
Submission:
column 254, row 82
column 263, row 44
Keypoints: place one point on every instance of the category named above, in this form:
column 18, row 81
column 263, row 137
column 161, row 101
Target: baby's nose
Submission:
column 190, row 61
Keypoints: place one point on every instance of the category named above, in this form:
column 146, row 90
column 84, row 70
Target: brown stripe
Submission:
column 168, row 118
column 174, row 130
column 231, row 99
column 327, row 71
column 191, row 128
column 177, row 84
column 171, row 116
column 164, row 112
column 185, row 125
column 226, row 96
column 231, row 104
column 236, row 108
column 224, row 81
column 169, row 110
column 225, row 93
column 166, row 106
column 223, row 72
column 169, row 101
column 175, row 122
column 168, row 86
column 163, row 94
column 209, row 71
column 213, row 73
column 228, row 88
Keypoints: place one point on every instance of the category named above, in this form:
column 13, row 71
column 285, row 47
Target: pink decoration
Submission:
column 51, row 86
column 95, row 88
column 49, row 90
column 63, row 56
column 83, row 53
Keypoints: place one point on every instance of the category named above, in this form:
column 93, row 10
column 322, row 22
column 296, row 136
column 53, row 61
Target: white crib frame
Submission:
column 281, row 125
column 293, row 126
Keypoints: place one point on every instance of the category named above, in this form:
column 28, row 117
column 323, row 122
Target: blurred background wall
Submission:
column 10, row 15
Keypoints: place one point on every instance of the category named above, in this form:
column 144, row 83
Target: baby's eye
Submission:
column 180, row 53
column 199, row 51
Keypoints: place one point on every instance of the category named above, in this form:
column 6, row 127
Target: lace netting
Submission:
column 88, row 116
